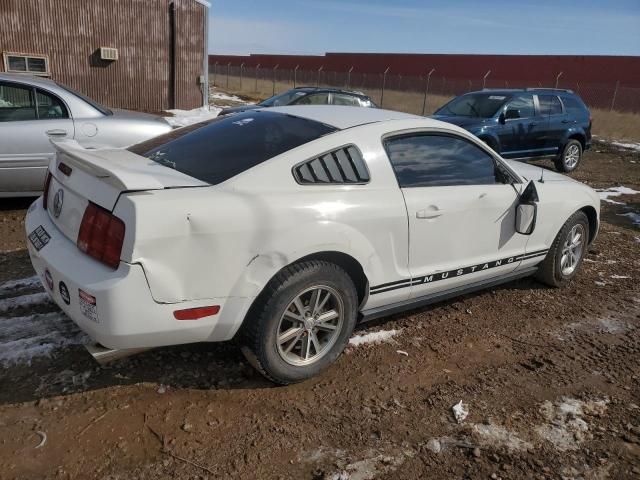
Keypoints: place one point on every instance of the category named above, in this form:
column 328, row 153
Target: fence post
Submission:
column 426, row 92
column 228, row 68
column 318, row 77
column 615, row 93
column 484, row 79
column 349, row 77
column 273, row 77
column 241, row 67
column 215, row 68
column 384, row 80
column 558, row 79
column 257, row 68
column 295, row 76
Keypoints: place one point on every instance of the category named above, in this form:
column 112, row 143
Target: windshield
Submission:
column 483, row 105
column 283, row 99
column 101, row 108
column 221, row 148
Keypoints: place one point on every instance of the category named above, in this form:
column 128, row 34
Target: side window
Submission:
column 314, row 99
column 521, row 106
column 16, row 103
column 549, row 105
column 343, row 99
column 341, row 166
column 574, row 106
column 438, row 161
column 50, row 106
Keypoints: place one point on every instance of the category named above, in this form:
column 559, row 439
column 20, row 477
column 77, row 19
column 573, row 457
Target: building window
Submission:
column 26, row 63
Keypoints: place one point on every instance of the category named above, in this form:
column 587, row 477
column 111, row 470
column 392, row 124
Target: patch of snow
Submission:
column 606, row 194
column 620, row 277
column 566, row 429
column 633, row 216
column 182, row 118
column 627, row 145
column 373, row 337
column 612, row 325
column 460, row 411
column 25, row 338
column 600, row 284
column 497, row 436
column 12, row 303
column 20, row 283
column 226, row 97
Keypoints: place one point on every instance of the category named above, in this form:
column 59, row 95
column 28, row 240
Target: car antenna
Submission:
column 541, row 176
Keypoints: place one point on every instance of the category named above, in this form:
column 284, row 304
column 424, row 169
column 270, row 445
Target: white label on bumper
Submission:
column 88, row 306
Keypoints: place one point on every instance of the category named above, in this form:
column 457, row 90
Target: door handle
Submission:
column 56, row 133
column 533, row 124
column 566, row 121
column 432, row 212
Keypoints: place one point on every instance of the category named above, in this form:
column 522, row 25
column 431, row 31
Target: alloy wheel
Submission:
column 310, row 325
column 572, row 249
column 572, row 156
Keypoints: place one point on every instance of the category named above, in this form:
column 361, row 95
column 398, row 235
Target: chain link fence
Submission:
column 419, row 95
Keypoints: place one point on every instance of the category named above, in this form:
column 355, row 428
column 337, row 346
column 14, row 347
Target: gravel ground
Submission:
column 550, row 380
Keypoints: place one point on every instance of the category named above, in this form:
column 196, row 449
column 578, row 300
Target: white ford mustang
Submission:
column 284, row 227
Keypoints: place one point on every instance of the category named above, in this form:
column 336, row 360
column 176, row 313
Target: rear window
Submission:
column 219, row 149
column 574, row 105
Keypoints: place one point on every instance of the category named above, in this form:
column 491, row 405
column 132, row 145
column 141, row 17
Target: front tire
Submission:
column 301, row 322
column 566, row 253
column 570, row 158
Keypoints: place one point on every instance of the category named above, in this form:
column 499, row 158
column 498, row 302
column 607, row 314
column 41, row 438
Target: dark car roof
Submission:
column 511, row 91
column 331, row 90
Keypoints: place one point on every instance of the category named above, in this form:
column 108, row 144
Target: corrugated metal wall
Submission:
column 71, row 33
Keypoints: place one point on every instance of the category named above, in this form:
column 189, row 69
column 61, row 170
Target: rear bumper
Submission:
column 126, row 316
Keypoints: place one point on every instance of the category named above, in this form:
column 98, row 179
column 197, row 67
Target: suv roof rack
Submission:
column 549, row 89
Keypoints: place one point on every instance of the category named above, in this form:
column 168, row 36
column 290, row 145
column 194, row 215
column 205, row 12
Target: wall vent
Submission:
column 107, row 53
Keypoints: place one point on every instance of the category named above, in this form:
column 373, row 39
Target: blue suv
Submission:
column 526, row 123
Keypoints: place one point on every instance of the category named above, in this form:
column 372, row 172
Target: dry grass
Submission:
column 610, row 125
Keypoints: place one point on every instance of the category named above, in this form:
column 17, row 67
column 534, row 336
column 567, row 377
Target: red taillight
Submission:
column 45, row 195
column 101, row 235
column 196, row 313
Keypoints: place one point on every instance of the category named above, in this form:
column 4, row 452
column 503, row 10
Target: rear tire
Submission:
column 570, row 158
column 301, row 322
column 567, row 252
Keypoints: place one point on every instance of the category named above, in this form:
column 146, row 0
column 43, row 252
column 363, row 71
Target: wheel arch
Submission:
column 348, row 263
column 580, row 137
column 592, row 216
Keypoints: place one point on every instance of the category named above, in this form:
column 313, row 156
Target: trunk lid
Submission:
column 100, row 176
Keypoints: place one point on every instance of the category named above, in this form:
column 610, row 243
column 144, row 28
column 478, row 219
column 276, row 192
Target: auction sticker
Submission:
column 88, row 305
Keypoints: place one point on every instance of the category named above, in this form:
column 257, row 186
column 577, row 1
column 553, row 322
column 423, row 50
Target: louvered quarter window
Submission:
column 344, row 165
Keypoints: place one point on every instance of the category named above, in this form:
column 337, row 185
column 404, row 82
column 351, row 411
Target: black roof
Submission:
column 331, row 90
column 507, row 91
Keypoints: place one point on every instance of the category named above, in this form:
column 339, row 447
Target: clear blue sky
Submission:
column 606, row 27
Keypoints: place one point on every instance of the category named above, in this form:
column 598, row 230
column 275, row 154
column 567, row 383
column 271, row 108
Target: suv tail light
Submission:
column 101, row 235
column 45, row 195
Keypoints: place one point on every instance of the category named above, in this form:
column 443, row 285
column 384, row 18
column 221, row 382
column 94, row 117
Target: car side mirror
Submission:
column 527, row 210
column 512, row 113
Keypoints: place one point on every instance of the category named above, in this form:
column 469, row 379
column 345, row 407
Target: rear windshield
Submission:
column 218, row 149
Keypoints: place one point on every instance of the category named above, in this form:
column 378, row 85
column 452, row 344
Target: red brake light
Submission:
column 196, row 313
column 45, row 195
column 101, row 235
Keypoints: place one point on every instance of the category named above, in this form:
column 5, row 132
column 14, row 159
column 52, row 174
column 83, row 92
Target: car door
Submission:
column 461, row 211
column 29, row 118
column 521, row 134
column 556, row 121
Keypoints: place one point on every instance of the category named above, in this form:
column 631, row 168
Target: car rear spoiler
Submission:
column 120, row 168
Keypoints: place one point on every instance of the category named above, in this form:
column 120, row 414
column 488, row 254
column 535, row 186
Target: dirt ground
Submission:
column 550, row 379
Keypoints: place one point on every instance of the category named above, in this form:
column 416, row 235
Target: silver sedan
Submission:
column 34, row 110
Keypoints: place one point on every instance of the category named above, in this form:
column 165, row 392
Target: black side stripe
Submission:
column 436, row 277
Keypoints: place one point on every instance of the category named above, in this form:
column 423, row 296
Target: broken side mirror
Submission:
column 527, row 210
